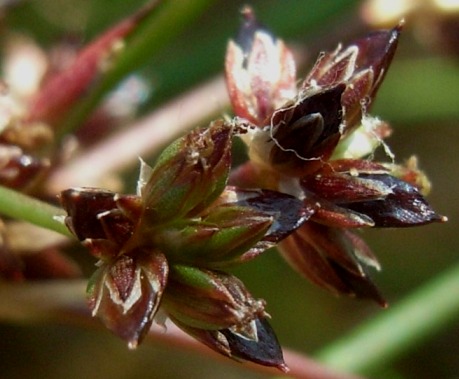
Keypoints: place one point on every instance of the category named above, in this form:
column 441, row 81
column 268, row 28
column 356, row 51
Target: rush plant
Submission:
column 166, row 250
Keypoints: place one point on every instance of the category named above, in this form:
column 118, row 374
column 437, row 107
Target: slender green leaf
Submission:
column 385, row 338
column 22, row 207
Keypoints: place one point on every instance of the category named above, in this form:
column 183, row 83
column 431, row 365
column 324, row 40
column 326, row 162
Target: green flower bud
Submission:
column 211, row 300
column 219, row 239
column 190, row 174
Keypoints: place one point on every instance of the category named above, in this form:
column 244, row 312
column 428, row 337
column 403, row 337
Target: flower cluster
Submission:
column 309, row 183
column 313, row 142
column 165, row 247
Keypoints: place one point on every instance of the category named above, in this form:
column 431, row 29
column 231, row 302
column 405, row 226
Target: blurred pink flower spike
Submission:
column 63, row 89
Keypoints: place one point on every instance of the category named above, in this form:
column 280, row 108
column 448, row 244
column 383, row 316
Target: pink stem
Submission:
column 120, row 151
column 63, row 302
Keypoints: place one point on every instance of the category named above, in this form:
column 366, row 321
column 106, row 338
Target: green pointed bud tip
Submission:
column 190, row 174
column 219, row 239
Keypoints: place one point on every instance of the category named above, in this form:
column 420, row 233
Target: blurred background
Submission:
column 419, row 98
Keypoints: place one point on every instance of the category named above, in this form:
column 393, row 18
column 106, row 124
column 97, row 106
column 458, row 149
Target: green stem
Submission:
column 165, row 23
column 385, row 338
column 22, row 207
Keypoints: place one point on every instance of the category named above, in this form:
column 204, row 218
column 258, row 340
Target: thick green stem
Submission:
column 385, row 338
column 22, row 207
